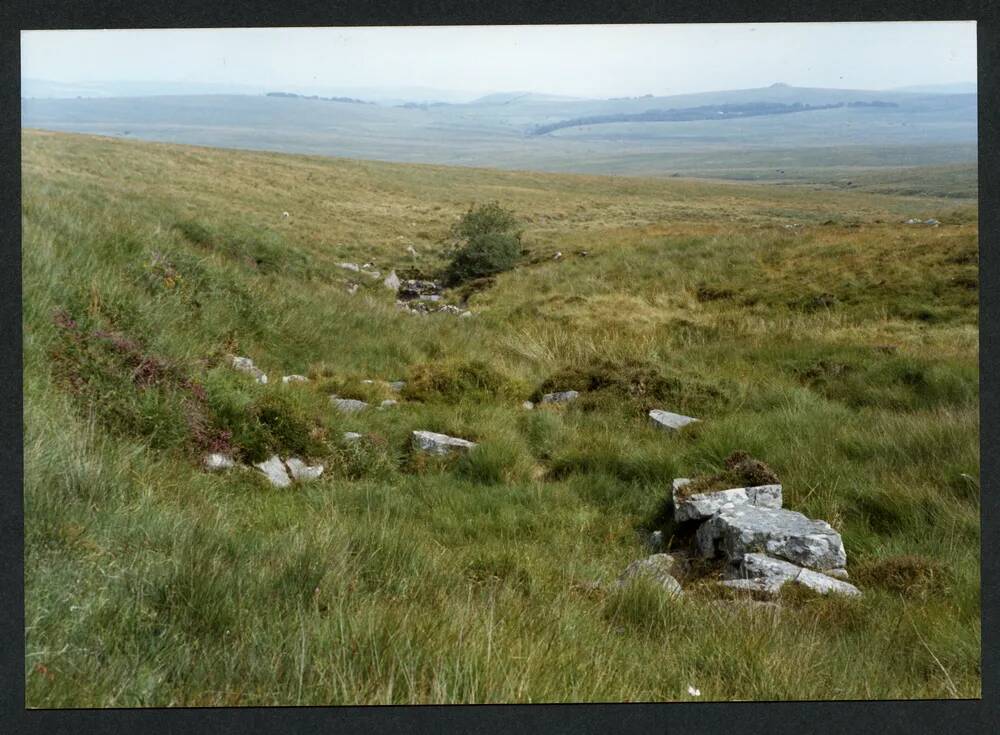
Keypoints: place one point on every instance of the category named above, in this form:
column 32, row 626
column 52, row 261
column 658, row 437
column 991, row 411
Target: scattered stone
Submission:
column 392, row 281
column 432, row 297
column 560, row 396
column 216, row 462
column 740, row 529
column 655, row 541
column 284, row 215
column 761, row 573
column 465, row 314
column 704, row 505
column 351, row 436
column 348, row 405
column 527, row 405
column 245, row 365
column 669, row 421
column 301, row 471
column 397, row 385
column 414, row 289
column 275, row 471
column 388, row 403
column 350, row 266
column 294, row 379
column 375, row 275
column 659, row 568
column 557, row 256
column 931, row 222
column 411, row 250
column 433, row 443
column 352, row 288
column 368, row 382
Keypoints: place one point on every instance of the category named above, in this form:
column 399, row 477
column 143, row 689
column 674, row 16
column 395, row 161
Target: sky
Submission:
column 580, row 60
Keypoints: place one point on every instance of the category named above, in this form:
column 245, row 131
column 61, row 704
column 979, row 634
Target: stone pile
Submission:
column 763, row 545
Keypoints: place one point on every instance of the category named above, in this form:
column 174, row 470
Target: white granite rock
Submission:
column 348, row 405
column 660, row 568
column 301, row 471
column 388, row 403
column 275, row 471
column 245, row 365
column 704, row 505
column 433, row 443
column 762, row 573
column 216, row 462
column 351, row 436
column 527, row 405
column 392, row 281
column 739, row 529
column 294, row 379
column 669, row 421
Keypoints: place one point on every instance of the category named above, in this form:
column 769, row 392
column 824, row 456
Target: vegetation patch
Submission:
column 455, row 380
column 741, row 470
column 490, row 243
column 909, row 574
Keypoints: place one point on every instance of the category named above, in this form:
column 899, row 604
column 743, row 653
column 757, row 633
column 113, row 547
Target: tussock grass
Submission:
column 845, row 357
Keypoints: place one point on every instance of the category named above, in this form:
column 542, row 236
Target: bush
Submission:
column 492, row 244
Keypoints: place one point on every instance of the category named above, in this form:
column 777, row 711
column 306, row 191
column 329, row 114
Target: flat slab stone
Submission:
column 704, row 505
column 275, row 471
column 762, row 573
column 560, row 396
column 669, row 421
column 217, row 462
column 348, row 405
column 660, row 568
column 434, row 443
column 301, row 471
column 743, row 529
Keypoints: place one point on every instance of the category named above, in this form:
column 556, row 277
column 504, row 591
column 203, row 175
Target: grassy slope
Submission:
column 844, row 353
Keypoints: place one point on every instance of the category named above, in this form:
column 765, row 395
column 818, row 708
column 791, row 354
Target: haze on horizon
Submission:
column 579, row 60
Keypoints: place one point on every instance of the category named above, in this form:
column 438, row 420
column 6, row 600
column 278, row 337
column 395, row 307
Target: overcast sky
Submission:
column 595, row 60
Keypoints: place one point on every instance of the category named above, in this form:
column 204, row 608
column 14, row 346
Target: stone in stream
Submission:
column 740, row 529
column 660, row 568
column 703, row 505
column 762, row 573
column 245, row 365
column 216, row 462
column 275, row 471
column 348, row 405
column 563, row 396
column 669, row 421
column 441, row 444
column 301, row 471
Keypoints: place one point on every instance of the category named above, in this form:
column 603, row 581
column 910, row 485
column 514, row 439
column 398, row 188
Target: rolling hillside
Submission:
column 814, row 329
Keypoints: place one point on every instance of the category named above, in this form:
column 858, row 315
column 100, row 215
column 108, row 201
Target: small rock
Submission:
column 465, row 314
column 557, row 256
column 761, row 573
column 392, row 281
column 560, row 396
column 433, row 443
column 245, row 365
column 351, row 436
column 301, row 471
column 388, row 403
column 348, row 405
column 655, row 541
column 216, row 462
column 350, row 266
column 704, row 505
column 284, row 215
column 837, row 573
column 931, row 222
column 742, row 529
column 294, row 379
column 275, row 471
column 527, row 405
column 411, row 250
column 352, row 288
column 669, row 421
column 397, row 385
column 660, row 568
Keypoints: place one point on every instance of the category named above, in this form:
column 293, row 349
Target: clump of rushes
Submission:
column 741, row 470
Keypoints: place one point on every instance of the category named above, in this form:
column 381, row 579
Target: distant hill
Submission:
column 743, row 134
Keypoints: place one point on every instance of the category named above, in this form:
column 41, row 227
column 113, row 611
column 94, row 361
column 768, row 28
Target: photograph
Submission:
column 500, row 364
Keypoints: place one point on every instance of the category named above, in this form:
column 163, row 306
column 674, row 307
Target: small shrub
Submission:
column 491, row 243
column 494, row 463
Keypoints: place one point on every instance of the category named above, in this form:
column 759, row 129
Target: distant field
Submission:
column 811, row 328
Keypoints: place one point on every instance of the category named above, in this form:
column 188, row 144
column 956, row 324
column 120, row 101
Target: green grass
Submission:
column 843, row 353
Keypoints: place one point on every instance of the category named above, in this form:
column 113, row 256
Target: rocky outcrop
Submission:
column 563, row 396
column 737, row 530
column 430, row 442
column 348, row 405
column 698, row 506
column 761, row 573
column 275, row 471
column 669, row 421
column 245, row 365
column 663, row 569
